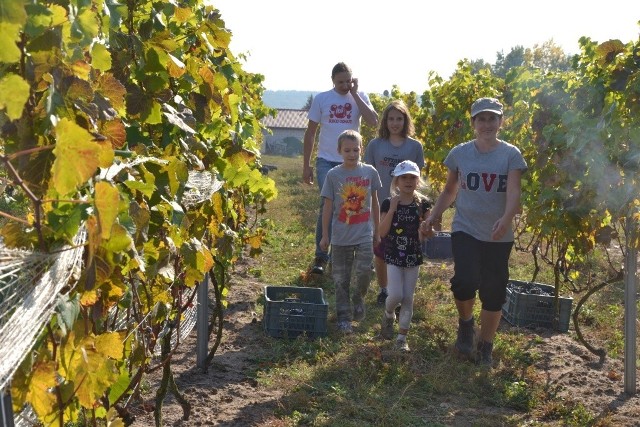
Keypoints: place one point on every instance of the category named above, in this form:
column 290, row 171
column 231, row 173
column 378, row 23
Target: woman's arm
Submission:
column 512, row 206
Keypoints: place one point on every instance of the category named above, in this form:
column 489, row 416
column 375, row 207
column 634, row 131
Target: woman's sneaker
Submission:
column 485, row 357
column 319, row 265
column 403, row 346
column 466, row 335
column 345, row 327
column 359, row 312
column 386, row 329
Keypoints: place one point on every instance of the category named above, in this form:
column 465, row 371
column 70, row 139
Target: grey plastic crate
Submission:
column 438, row 246
column 291, row 311
column 536, row 310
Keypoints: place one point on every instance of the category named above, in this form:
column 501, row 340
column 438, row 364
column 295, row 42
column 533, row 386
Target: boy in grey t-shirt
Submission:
column 350, row 195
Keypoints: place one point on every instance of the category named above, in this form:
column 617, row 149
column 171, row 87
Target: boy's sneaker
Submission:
column 319, row 265
column 403, row 346
column 345, row 327
column 382, row 296
column 485, row 350
column 386, row 329
column 466, row 335
column 359, row 312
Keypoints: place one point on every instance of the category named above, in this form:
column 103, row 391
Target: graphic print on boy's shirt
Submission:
column 489, row 181
column 354, row 209
column 340, row 113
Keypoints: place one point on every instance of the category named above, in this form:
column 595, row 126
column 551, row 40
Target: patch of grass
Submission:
column 359, row 380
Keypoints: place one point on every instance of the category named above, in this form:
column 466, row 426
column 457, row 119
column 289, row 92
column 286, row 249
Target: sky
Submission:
column 296, row 43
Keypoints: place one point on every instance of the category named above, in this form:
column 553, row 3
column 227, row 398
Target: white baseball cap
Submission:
column 406, row 167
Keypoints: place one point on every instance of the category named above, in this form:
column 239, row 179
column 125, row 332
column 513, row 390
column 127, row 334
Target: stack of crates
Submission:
column 531, row 304
column 291, row 311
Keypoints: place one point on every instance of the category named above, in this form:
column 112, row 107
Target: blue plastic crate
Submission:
column 291, row 311
column 526, row 309
column 438, row 246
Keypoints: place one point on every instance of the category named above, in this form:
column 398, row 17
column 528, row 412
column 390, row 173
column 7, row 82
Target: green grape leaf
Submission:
column 66, row 218
column 14, row 92
column 14, row 12
column 67, row 311
column 77, row 156
column 9, row 35
column 106, row 199
column 153, row 113
column 100, row 57
column 120, row 239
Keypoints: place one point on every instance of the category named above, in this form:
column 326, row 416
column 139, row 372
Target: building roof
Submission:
column 288, row 119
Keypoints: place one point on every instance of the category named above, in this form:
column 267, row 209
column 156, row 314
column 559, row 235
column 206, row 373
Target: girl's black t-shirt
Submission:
column 402, row 246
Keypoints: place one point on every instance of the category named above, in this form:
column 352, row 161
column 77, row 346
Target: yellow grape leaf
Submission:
column 100, row 57
column 220, row 82
column 232, row 100
column 58, row 15
column 113, row 420
column 88, row 20
column 91, row 371
column 107, row 200
column 110, row 344
column 113, row 90
column 81, row 69
column 89, row 298
column 9, row 35
column 115, row 132
column 175, row 67
column 42, row 399
column 207, row 75
column 255, row 241
column 77, row 156
column 182, row 14
column 14, row 92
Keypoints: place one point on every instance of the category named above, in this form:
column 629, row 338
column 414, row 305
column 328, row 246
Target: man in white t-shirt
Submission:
column 335, row 111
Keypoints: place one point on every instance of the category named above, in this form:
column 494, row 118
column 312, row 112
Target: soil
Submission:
column 227, row 395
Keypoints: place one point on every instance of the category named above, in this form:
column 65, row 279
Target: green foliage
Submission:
column 108, row 109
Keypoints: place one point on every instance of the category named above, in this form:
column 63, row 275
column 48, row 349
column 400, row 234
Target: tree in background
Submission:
column 307, row 105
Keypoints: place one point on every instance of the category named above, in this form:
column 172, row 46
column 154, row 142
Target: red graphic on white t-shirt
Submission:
column 341, row 111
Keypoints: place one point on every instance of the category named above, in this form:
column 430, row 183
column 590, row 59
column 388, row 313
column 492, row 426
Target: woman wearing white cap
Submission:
column 484, row 181
column 401, row 216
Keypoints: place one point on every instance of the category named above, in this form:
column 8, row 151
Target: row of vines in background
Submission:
column 579, row 131
column 106, row 110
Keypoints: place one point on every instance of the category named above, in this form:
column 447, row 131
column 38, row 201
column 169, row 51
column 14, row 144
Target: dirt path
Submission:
column 228, row 396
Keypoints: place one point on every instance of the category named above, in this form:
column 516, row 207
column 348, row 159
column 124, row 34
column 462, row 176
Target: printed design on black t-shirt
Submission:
column 402, row 245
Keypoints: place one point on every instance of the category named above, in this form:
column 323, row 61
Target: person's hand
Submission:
column 500, row 229
column 354, row 86
column 324, row 244
column 307, row 174
column 393, row 206
column 426, row 228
